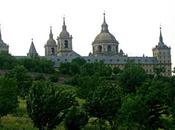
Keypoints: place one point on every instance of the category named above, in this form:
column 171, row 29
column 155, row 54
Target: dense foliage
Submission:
column 23, row 80
column 47, row 104
column 8, row 96
column 80, row 95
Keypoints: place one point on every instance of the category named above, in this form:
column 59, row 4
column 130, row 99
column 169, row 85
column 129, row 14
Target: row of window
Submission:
column 109, row 48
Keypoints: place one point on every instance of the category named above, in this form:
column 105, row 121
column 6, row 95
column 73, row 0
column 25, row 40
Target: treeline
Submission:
column 94, row 96
column 32, row 64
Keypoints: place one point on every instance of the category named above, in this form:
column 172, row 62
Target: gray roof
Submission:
column 32, row 49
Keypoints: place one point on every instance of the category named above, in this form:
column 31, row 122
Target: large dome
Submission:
column 105, row 37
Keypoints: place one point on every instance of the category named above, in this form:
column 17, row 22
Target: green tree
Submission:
column 158, row 71
column 7, row 61
column 76, row 119
column 23, row 80
column 104, row 103
column 133, row 113
column 47, row 105
column 37, row 64
column 147, row 108
column 131, row 77
column 8, row 96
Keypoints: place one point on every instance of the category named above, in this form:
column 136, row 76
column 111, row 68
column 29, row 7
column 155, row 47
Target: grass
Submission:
column 18, row 120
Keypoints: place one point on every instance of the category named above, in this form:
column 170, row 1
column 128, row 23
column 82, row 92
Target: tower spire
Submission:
column 104, row 19
column 64, row 25
column 161, row 37
column 51, row 34
column 104, row 26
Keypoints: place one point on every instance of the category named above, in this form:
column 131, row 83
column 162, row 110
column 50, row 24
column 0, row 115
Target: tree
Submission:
column 158, row 71
column 104, row 103
column 8, row 96
column 133, row 113
column 131, row 77
column 47, row 105
column 76, row 119
column 7, row 61
column 37, row 64
column 23, row 80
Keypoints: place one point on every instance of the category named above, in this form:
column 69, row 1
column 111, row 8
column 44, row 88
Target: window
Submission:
column 65, row 43
column 109, row 48
column 52, row 51
column 99, row 48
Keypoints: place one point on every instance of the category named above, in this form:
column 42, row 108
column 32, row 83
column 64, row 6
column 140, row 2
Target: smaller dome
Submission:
column 64, row 34
column 105, row 37
column 51, row 42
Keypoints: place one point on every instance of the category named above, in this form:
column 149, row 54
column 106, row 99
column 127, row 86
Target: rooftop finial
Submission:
column 104, row 25
column 32, row 39
column 104, row 19
column 64, row 25
column 160, row 37
column 64, row 20
column 51, row 34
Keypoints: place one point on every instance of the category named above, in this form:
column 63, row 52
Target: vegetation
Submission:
column 47, row 105
column 83, row 96
column 8, row 96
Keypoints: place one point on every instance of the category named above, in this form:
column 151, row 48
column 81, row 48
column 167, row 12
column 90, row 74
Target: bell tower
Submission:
column 64, row 40
column 163, row 54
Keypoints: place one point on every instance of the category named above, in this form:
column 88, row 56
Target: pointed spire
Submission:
column 32, row 50
column 161, row 37
column 51, row 34
column 104, row 26
column 64, row 25
column 104, row 19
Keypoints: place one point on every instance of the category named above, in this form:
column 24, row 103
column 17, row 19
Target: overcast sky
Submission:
column 134, row 23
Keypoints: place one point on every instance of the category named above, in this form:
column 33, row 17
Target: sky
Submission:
column 134, row 23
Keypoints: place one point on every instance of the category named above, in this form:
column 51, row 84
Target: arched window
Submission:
column 99, row 48
column 109, row 48
column 52, row 51
column 65, row 43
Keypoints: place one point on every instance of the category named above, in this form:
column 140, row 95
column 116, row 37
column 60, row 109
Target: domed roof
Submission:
column 105, row 36
column 51, row 41
column 64, row 33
